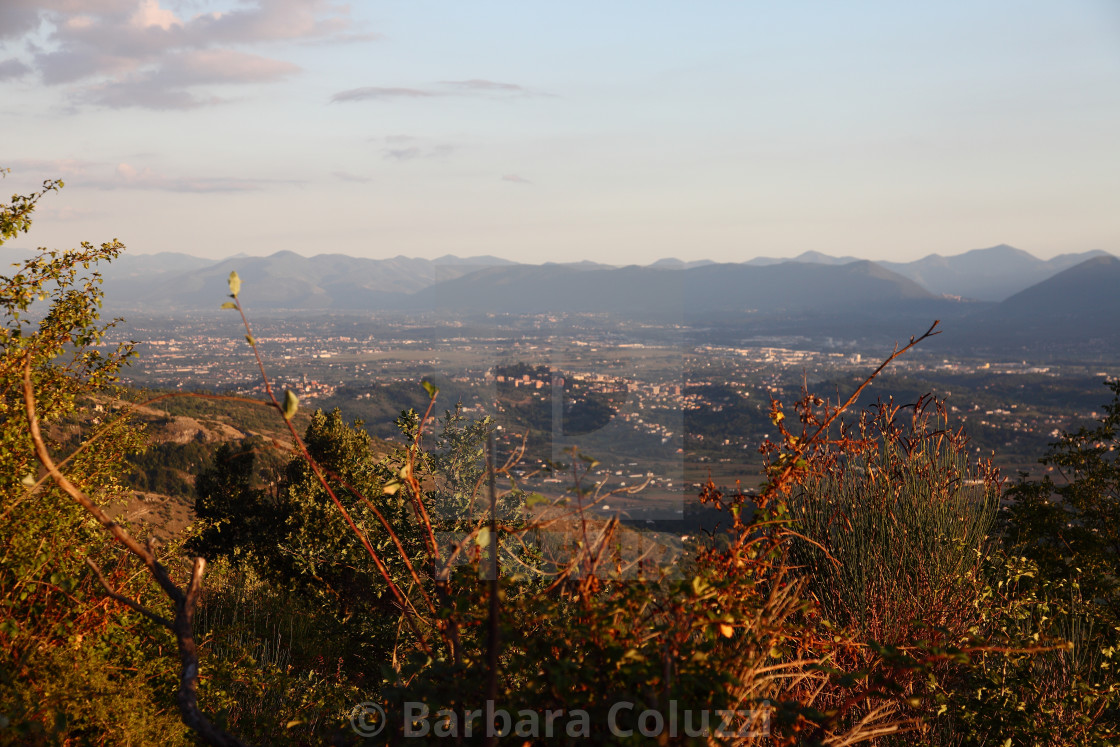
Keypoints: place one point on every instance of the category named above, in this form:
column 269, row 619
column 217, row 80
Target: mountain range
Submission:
column 282, row 280
column 995, row 296
column 290, row 280
column 992, row 274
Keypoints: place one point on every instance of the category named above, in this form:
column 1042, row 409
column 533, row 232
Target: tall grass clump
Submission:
column 276, row 664
column 895, row 521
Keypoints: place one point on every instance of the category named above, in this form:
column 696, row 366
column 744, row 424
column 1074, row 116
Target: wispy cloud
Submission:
column 55, row 212
column 346, row 176
column 515, row 178
column 478, row 85
column 473, row 87
column 121, row 53
column 408, row 154
column 56, row 168
column 124, row 175
column 402, row 154
column 378, row 93
column 129, row 177
column 410, row 147
column 172, row 85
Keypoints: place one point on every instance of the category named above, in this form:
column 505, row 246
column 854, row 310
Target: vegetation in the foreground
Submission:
column 881, row 588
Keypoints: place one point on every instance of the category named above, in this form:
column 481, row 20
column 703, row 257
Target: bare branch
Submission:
column 181, row 626
column 125, row 600
column 804, row 445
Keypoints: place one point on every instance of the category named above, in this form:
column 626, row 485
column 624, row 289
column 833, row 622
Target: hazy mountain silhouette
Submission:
column 672, row 263
column 991, row 274
column 805, row 257
column 281, row 280
column 479, row 261
column 1074, row 305
column 694, row 293
column 1080, row 303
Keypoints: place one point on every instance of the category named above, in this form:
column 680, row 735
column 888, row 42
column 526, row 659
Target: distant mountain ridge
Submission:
column 812, row 257
column 339, row 281
column 286, row 280
column 282, row 280
column 693, row 293
column 1082, row 301
column 1068, row 311
column 991, row 274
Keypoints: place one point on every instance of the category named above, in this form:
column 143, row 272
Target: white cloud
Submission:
column 140, row 53
column 173, row 84
column 149, row 14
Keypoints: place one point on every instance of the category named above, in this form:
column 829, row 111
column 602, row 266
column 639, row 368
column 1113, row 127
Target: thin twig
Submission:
column 125, row 600
column 494, row 629
column 377, row 561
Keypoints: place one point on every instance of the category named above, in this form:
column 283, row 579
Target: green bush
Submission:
column 71, row 667
column 896, row 523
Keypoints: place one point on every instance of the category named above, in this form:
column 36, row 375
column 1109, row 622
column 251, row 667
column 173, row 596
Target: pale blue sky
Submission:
column 615, row 131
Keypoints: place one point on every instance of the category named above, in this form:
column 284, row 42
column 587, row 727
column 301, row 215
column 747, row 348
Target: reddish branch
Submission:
column 405, row 605
column 181, row 625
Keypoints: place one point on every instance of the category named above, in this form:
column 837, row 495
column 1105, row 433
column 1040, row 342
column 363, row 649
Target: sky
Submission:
column 620, row 132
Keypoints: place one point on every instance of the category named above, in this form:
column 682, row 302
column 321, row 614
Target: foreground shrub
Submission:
column 896, row 521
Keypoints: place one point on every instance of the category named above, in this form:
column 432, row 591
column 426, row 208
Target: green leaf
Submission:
column 430, row 388
column 392, row 487
column 250, row 339
column 229, row 305
column 28, row 480
column 535, row 499
column 291, row 404
column 234, row 284
column 482, row 539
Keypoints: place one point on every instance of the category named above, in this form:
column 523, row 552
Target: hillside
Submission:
column 1079, row 306
column 183, row 432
